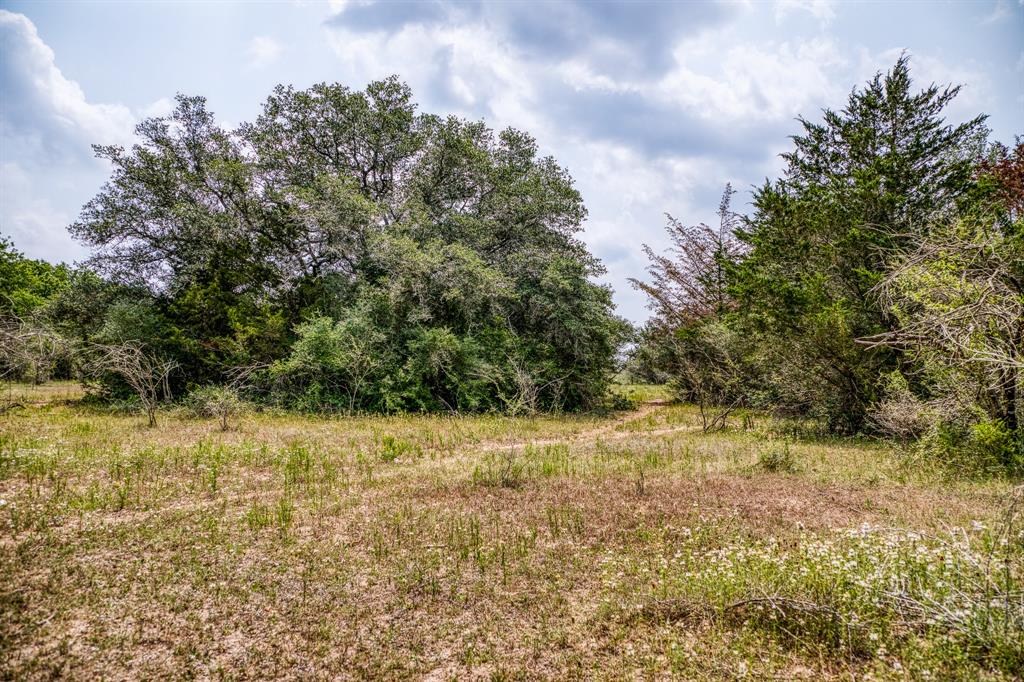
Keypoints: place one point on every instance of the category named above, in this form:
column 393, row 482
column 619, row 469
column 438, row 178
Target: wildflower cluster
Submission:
column 868, row 591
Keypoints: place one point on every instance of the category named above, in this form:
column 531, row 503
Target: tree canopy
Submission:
column 342, row 226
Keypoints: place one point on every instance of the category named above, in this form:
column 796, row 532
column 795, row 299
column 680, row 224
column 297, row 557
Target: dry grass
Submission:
column 40, row 394
column 426, row 547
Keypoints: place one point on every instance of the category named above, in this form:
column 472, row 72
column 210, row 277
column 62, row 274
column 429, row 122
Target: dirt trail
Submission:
column 605, row 431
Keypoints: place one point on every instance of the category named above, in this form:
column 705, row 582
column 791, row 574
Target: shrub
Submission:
column 146, row 372
column 900, row 413
column 993, row 442
column 777, row 458
column 330, row 364
column 985, row 448
column 216, row 401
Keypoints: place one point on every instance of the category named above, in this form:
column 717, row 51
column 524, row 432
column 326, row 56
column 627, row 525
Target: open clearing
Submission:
column 627, row 545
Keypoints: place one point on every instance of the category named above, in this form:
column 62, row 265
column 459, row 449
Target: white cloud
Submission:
column 31, row 219
column 46, row 128
column 263, row 50
column 161, row 107
column 766, row 82
column 39, row 100
column 337, row 6
column 822, row 10
column 474, row 64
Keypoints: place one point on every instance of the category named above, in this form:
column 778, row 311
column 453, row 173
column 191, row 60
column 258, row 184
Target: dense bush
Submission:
column 30, row 349
column 220, row 402
column 371, row 257
column 859, row 188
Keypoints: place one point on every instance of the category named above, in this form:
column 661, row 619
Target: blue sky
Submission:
column 653, row 106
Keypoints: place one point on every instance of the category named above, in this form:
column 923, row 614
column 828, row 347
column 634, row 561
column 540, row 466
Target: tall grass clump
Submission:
column 393, row 449
column 777, row 458
column 500, row 470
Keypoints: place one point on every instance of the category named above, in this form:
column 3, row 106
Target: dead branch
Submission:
column 143, row 371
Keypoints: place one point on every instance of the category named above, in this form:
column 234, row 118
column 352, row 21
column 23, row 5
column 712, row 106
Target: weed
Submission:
column 284, row 514
column 258, row 517
column 504, row 470
column 857, row 593
column 393, row 449
column 298, row 549
column 567, row 521
column 640, row 483
column 778, row 458
column 298, row 465
column 549, row 460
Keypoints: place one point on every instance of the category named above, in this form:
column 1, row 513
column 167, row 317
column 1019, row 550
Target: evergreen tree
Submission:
column 861, row 187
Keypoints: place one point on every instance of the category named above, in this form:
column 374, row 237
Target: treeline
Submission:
column 340, row 252
column 877, row 287
column 344, row 252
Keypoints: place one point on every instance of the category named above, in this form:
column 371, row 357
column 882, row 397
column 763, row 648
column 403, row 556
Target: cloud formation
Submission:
column 47, row 127
column 822, row 10
column 681, row 92
column 622, row 37
column 652, row 106
column 43, row 109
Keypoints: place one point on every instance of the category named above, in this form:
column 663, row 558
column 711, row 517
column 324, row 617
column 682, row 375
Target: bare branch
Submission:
column 144, row 372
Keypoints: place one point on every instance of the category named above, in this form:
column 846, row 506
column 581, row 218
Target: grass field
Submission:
column 626, row 545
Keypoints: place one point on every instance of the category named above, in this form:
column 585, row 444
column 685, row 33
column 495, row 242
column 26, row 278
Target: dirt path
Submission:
column 607, row 431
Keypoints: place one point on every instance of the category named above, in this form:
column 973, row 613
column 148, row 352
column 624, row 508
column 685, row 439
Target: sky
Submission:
column 652, row 106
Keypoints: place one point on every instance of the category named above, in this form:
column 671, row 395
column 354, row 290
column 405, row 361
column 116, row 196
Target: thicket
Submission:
column 343, row 252
column 877, row 286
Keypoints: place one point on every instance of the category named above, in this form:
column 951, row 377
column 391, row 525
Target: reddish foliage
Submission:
column 1006, row 170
